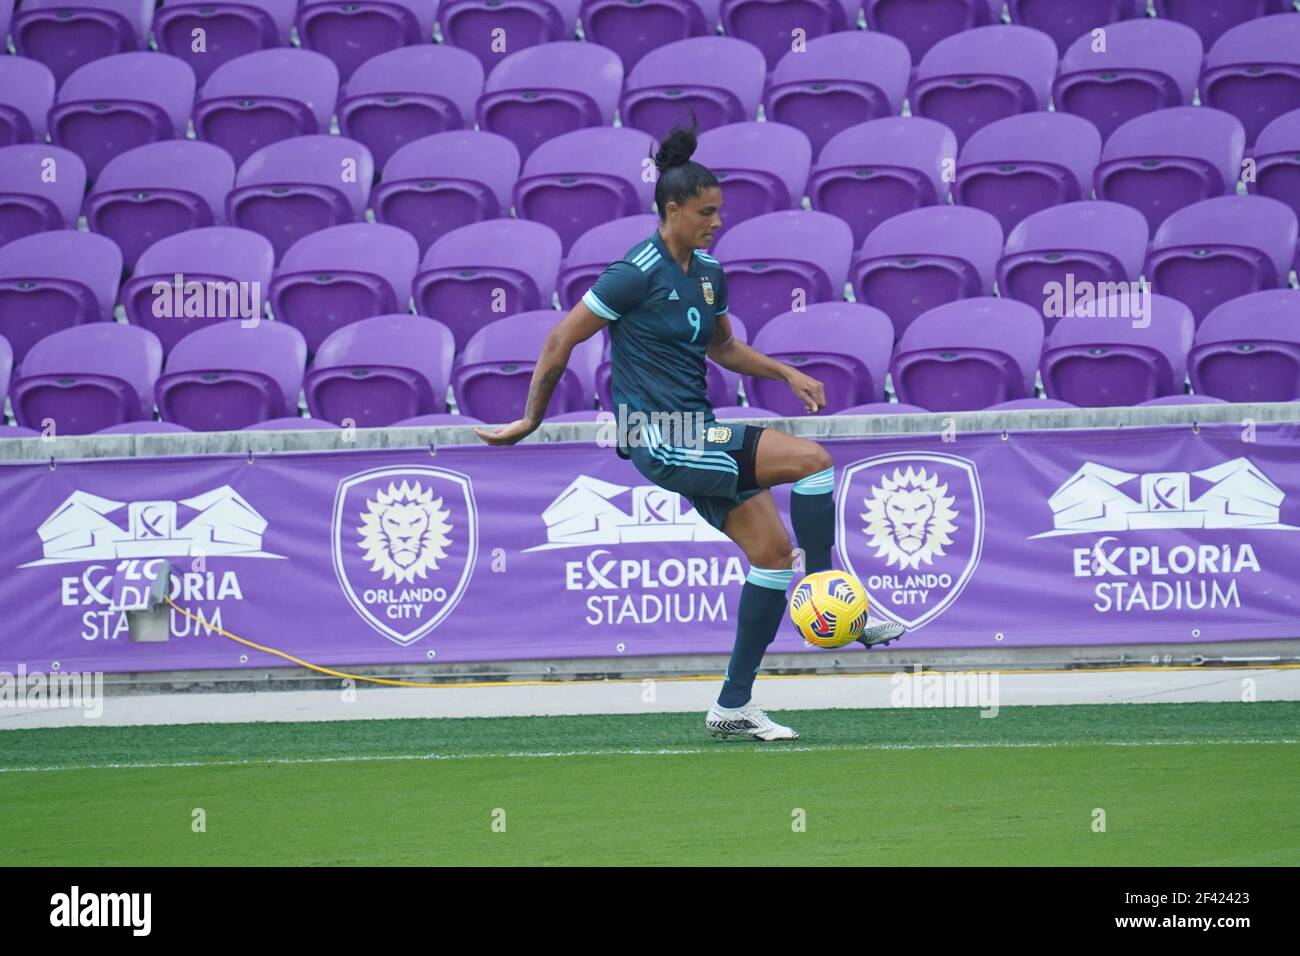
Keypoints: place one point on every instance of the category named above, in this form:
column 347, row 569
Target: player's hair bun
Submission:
column 676, row 149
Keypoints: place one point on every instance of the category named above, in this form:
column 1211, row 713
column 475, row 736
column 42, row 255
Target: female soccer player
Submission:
column 665, row 306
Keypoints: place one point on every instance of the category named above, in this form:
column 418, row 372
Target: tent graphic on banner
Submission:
column 81, row 529
column 1240, row 496
column 584, row 514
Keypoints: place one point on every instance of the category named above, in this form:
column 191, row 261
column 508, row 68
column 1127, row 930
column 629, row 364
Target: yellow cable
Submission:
column 521, row 683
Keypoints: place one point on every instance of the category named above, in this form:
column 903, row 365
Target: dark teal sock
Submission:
column 812, row 512
column 762, row 606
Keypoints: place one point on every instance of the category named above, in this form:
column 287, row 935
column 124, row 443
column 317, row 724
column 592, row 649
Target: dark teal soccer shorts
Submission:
column 715, row 476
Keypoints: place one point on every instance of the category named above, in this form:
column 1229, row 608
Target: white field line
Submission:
column 773, row 748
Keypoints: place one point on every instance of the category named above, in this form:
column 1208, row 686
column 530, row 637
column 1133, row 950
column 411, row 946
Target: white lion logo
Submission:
column 909, row 518
column 404, row 532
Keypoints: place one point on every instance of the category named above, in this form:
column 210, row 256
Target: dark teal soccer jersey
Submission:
column 660, row 321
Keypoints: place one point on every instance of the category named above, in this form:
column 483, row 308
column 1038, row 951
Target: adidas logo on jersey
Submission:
column 673, row 296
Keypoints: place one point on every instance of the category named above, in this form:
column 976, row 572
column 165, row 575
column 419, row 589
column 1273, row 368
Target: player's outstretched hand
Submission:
column 507, row 434
column 809, row 391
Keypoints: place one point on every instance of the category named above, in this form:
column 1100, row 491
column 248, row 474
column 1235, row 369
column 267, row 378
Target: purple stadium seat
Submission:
column 1029, row 404
column 225, row 376
column 872, row 171
column 921, row 259
column 774, row 257
column 51, row 281
column 720, row 78
column 108, row 106
column 768, row 24
column 1147, row 65
column 595, row 249
column 1253, row 71
column 6, row 370
column 920, row 24
column 722, row 385
column 1017, row 166
column 145, row 426
column 420, row 421
column 290, row 423
column 6, row 16
column 493, row 372
column 352, row 32
column 231, row 29
column 158, row 190
column 230, row 267
column 1160, row 162
column 970, row 79
column 1248, row 349
column 762, row 167
column 17, row 431
column 301, row 185
column 884, row 408
column 441, row 182
column 41, row 188
column 968, row 355
column 1184, row 399
column 1076, row 246
column 586, row 177
column 1117, row 353
column 1277, row 158
column 634, row 30
column 87, row 378
column 26, row 95
column 726, row 413
column 1213, row 19
column 332, row 278
column 487, row 270
column 381, row 370
column 1067, row 20
column 65, row 36
column 837, row 81
column 1221, row 248
column 263, row 97
column 409, row 93
column 540, row 92
column 477, row 27
column 844, row 345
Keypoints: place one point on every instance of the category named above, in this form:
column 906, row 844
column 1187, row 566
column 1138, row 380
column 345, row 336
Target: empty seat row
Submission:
column 1205, row 254
column 970, row 354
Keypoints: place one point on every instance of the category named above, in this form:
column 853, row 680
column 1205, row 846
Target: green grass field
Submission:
column 1180, row 784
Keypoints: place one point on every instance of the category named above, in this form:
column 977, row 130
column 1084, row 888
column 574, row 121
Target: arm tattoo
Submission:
column 539, row 394
column 718, row 332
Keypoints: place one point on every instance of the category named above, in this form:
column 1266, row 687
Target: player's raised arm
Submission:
column 734, row 355
column 579, row 325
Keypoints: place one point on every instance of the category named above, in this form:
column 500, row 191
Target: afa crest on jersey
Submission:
column 718, row 433
column 708, row 290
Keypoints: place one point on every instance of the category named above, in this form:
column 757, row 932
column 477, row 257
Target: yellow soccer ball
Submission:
column 829, row 608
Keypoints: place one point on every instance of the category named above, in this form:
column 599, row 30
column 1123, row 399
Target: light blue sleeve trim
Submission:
column 819, row 484
column 600, row 308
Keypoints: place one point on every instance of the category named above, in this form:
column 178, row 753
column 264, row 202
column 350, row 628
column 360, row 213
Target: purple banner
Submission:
column 1162, row 534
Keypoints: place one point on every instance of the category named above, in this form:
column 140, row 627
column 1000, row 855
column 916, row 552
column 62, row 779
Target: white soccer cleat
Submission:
column 748, row 721
column 880, row 632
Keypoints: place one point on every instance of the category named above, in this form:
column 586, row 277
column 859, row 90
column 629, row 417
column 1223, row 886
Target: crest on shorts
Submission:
column 718, row 433
column 707, row 286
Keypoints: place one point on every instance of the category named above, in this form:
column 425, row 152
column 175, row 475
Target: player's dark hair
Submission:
column 679, row 177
